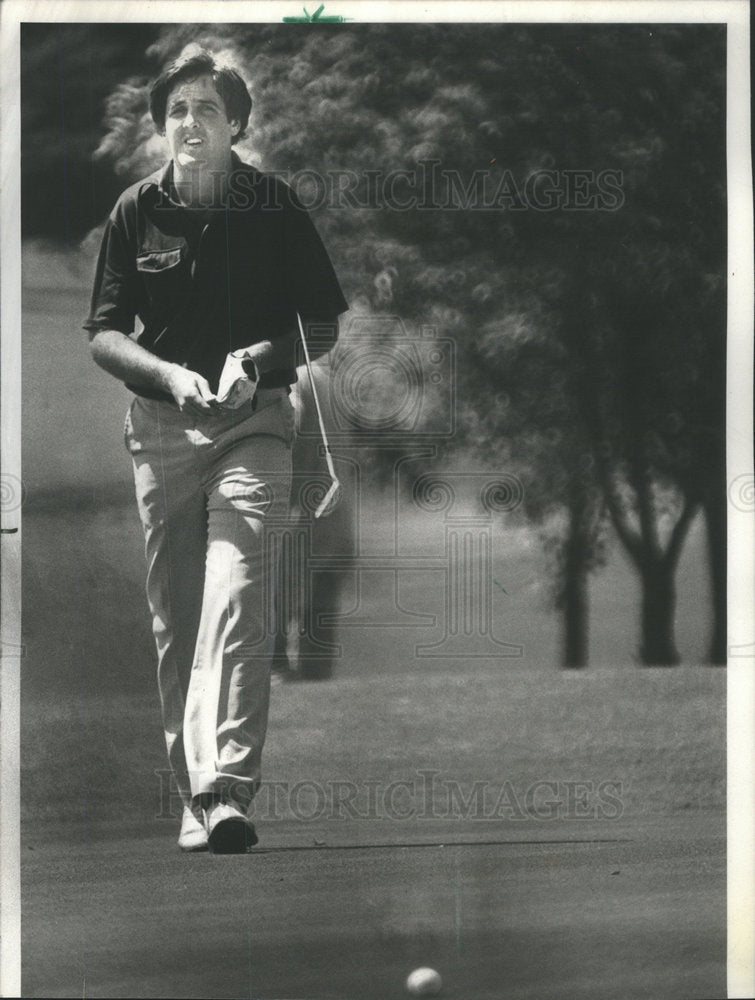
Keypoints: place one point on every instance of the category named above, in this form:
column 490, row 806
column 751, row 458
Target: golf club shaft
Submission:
column 328, row 456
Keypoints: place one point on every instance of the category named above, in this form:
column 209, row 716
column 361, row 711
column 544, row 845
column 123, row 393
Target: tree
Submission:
column 633, row 291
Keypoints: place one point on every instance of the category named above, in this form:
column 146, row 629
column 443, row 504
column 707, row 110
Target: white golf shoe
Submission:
column 193, row 836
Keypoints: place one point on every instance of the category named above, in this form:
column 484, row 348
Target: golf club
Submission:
column 331, row 498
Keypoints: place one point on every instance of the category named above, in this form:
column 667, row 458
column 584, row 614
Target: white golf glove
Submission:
column 236, row 387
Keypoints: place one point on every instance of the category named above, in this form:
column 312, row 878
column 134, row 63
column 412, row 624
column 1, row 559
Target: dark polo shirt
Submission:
column 204, row 286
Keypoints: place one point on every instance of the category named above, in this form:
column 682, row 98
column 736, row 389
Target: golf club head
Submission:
column 330, row 500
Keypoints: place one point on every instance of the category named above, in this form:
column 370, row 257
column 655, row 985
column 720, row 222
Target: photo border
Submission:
column 741, row 530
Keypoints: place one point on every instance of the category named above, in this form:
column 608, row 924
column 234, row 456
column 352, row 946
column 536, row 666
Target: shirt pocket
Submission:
column 157, row 261
column 165, row 276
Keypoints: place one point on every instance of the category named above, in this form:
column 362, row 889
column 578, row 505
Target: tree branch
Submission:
column 680, row 530
column 649, row 542
column 629, row 539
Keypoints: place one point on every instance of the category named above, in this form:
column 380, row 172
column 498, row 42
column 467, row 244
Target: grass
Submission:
column 658, row 734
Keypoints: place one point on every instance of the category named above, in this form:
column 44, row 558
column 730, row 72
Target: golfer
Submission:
column 215, row 259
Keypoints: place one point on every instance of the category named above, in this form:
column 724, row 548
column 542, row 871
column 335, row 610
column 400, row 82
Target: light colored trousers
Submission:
column 211, row 492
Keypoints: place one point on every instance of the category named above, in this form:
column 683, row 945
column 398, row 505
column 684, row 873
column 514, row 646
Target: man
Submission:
column 212, row 256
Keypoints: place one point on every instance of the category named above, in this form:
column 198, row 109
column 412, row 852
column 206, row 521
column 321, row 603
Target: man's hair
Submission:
column 192, row 63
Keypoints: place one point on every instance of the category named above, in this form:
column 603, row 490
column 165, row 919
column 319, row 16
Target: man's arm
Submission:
column 270, row 355
column 128, row 361
column 122, row 357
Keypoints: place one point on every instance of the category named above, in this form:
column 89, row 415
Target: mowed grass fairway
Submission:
column 344, row 896
column 656, row 736
column 530, row 832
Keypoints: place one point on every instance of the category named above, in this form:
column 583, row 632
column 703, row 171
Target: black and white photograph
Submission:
column 377, row 501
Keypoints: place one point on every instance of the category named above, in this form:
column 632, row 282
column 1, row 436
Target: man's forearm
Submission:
column 271, row 355
column 122, row 357
column 322, row 335
column 128, row 361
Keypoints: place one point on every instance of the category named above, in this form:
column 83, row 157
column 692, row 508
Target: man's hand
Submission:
column 118, row 354
column 191, row 391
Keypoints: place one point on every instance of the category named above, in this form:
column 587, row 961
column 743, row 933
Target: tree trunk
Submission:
column 658, row 607
column 574, row 595
column 715, row 519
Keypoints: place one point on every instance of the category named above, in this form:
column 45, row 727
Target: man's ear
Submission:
column 235, row 125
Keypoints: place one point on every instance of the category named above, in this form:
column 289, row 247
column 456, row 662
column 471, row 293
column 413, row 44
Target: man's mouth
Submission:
column 195, row 141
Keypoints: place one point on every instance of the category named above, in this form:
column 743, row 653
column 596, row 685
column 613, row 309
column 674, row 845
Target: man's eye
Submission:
column 179, row 111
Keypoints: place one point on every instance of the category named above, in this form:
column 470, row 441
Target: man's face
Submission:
column 197, row 127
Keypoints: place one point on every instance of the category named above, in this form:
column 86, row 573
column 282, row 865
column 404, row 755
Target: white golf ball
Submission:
column 424, row 983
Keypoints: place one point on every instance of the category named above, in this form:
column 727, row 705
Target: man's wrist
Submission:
column 165, row 373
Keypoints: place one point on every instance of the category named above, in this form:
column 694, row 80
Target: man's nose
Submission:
column 189, row 119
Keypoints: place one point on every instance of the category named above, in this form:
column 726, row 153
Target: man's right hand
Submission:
column 118, row 354
column 191, row 391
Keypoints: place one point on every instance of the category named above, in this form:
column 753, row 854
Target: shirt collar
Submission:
column 162, row 179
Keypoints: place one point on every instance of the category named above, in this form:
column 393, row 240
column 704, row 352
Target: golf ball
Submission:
column 424, row 983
